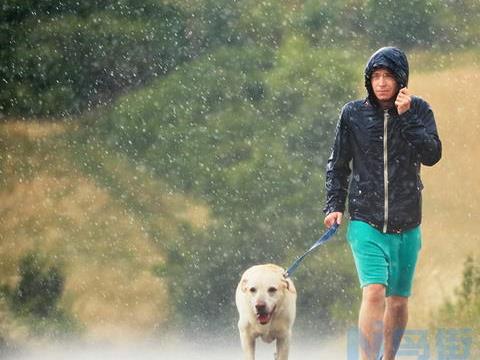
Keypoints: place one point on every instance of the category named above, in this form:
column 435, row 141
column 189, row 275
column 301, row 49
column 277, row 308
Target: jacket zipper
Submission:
column 385, row 168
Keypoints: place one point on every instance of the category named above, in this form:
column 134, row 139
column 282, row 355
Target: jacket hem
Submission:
column 379, row 226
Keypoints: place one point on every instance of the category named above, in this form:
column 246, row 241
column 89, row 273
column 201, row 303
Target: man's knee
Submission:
column 397, row 304
column 374, row 294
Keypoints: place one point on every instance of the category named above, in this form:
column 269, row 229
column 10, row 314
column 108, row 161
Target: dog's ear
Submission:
column 243, row 285
column 289, row 285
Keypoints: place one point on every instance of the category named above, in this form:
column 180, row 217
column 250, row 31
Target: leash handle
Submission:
column 325, row 237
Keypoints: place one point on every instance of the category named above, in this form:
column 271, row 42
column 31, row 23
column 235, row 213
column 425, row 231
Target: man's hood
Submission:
column 391, row 58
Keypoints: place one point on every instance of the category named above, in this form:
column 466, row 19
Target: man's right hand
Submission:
column 333, row 217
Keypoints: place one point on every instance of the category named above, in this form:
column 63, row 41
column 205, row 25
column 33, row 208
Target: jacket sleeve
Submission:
column 338, row 167
column 419, row 129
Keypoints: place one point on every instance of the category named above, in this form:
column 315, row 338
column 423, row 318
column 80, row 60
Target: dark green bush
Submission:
column 39, row 289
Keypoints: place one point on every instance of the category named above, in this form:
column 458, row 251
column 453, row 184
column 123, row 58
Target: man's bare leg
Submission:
column 395, row 321
column 370, row 321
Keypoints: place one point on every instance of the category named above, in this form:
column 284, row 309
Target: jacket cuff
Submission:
column 333, row 208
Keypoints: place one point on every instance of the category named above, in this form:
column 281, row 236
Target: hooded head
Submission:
column 390, row 58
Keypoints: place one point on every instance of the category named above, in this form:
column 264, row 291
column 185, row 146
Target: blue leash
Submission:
column 325, row 237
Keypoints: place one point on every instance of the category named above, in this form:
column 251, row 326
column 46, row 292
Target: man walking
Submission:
column 381, row 142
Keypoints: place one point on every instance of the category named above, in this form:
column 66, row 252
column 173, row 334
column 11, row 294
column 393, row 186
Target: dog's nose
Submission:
column 261, row 306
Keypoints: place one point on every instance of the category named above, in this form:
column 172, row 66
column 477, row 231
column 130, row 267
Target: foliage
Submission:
column 69, row 57
column 376, row 23
column 66, row 57
column 216, row 23
column 39, row 289
column 35, row 297
column 333, row 22
column 460, row 23
column 394, row 22
column 465, row 309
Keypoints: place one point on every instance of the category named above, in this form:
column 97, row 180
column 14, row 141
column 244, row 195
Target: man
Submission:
column 382, row 140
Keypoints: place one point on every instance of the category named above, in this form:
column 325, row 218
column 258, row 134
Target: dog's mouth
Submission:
column 263, row 316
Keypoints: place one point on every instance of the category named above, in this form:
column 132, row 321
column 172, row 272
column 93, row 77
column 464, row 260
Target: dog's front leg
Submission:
column 283, row 346
column 248, row 345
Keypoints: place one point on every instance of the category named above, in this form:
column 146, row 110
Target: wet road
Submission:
column 211, row 349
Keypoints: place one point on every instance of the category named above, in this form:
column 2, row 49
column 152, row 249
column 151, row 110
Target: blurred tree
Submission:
column 34, row 301
column 64, row 58
column 460, row 23
column 402, row 24
column 61, row 58
column 68, row 57
column 463, row 311
column 333, row 22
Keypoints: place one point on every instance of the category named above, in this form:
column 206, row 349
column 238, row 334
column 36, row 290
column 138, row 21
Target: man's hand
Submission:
column 403, row 101
column 333, row 217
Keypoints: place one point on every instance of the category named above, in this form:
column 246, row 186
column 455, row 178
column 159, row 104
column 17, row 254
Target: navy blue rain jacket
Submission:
column 377, row 154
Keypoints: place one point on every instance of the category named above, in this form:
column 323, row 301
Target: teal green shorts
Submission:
column 387, row 259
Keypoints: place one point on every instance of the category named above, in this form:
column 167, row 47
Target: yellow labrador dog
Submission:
column 266, row 303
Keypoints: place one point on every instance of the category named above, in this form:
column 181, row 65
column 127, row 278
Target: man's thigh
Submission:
column 403, row 263
column 370, row 258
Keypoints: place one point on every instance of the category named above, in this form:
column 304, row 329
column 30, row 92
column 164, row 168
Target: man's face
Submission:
column 384, row 85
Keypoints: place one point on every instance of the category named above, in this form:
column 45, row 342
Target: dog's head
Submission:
column 265, row 287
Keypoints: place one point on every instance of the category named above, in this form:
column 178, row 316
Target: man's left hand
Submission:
column 403, row 101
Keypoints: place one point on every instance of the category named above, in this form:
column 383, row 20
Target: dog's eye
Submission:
column 272, row 289
column 253, row 290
